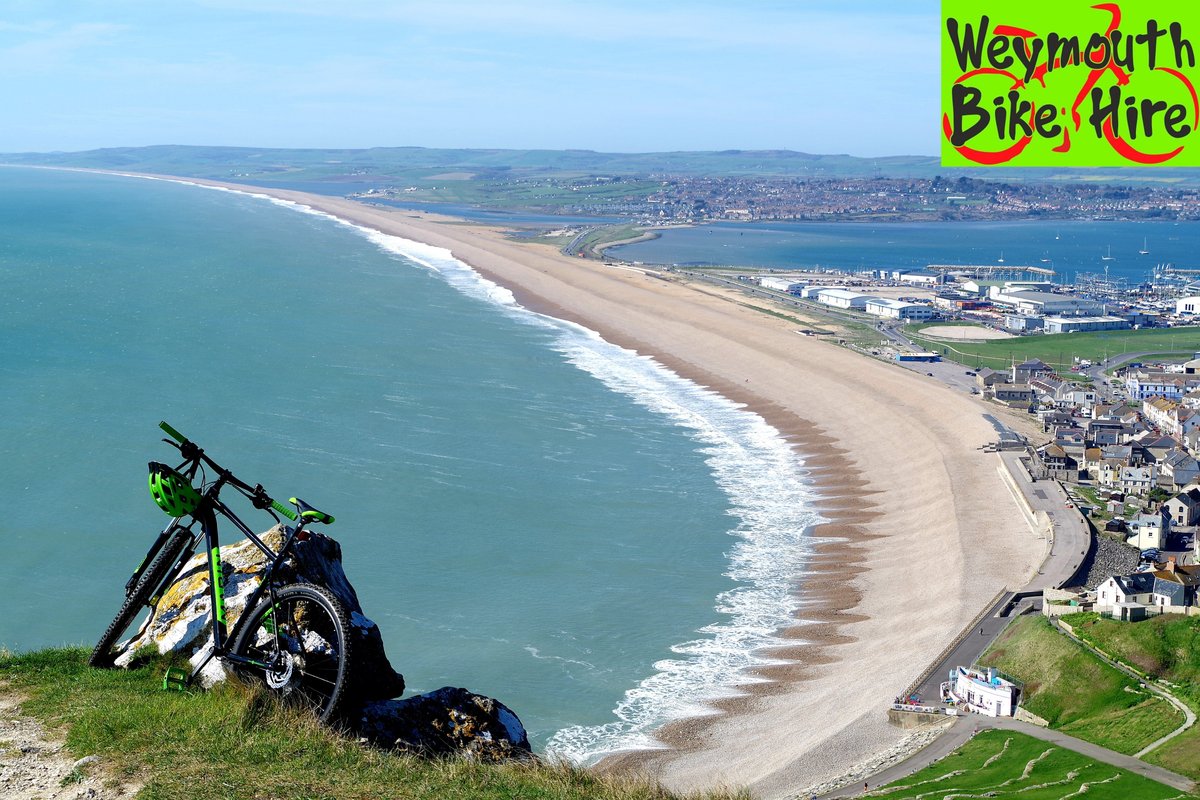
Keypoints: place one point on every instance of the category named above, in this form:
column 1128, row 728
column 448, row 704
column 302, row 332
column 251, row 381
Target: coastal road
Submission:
column 1068, row 548
column 966, row 726
column 1071, row 535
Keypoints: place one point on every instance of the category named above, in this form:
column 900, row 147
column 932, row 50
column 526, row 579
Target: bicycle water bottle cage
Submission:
column 172, row 492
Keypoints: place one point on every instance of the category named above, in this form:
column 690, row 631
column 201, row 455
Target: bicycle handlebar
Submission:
column 174, row 434
column 282, row 509
column 257, row 492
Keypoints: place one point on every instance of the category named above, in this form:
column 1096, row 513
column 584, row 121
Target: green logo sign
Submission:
column 1067, row 83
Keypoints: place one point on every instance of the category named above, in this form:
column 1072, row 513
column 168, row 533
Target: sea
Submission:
column 1071, row 248
column 525, row 509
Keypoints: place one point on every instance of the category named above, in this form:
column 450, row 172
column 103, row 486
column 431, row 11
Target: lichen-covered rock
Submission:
column 182, row 622
column 446, row 722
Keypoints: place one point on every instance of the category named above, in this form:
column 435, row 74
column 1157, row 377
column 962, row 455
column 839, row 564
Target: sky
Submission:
column 857, row 77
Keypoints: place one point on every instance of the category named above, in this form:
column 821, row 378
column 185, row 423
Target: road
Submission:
column 1071, row 535
column 1068, row 547
column 968, row 650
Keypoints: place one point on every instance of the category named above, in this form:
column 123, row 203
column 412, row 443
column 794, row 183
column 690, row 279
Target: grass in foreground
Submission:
column 1078, row 693
column 1007, row 764
column 230, row 744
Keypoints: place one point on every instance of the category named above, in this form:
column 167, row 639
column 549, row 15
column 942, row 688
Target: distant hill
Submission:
column 420, row 165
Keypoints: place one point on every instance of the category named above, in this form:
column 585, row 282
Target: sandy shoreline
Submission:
column 922, row 532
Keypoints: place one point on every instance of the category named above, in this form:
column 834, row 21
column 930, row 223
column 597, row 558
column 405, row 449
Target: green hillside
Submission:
column 230, row 744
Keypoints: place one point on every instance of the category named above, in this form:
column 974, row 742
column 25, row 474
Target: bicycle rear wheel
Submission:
column 140, row 597
column 305, row 635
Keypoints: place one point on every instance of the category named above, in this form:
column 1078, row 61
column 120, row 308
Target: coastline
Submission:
column 871, row 599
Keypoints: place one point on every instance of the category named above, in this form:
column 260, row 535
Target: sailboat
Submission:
column 1000, row 260
column 1108, row 257
column 1145, row 251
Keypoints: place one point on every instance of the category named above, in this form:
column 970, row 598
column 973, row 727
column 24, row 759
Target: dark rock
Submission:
column 447, row 722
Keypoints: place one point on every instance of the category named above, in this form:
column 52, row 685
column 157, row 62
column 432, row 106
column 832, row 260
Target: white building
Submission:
column 1149, row 532
column 781, row 285
column 1041, row 304
column 842, row 298
column 1074, row 324
column 1187, row 305
column 896, row 309
column 922, row 278
column 989, row 693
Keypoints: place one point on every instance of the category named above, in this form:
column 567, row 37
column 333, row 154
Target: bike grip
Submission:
column 174, row 434
column 282, row 509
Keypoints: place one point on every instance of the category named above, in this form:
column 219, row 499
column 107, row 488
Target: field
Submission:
column 1006, row 764
column 1060, row 349
column 1076, row 692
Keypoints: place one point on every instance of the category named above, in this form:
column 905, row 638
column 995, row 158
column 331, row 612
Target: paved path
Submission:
column 968, row 650
column 965, row 727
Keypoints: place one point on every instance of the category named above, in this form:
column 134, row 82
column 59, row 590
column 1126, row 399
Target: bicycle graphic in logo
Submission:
column 1025, row 73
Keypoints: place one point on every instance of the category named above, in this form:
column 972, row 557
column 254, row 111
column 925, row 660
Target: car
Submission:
column 1152, row 554
column 969, row 372
column 930, row 374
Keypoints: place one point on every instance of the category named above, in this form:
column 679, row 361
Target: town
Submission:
column 1100, row 448
column 661, row 198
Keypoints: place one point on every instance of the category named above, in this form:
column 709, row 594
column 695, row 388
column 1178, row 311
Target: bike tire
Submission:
column 315, row 636
column 152, row 577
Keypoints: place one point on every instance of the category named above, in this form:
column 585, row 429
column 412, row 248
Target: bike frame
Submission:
column 206, row 514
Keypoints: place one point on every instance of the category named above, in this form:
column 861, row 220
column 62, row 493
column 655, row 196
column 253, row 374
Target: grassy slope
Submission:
column 1165, row 647
column 1057, row 350
column 229, row 744
column 1057, row 774
column 1076, row 692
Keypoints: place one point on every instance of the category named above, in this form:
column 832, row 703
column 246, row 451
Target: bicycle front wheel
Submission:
column 304, row 636
column 141, row 596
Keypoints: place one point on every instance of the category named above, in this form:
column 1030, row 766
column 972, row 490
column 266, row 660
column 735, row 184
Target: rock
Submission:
column 1110, row 557
column 445, row 722
column 182, row 621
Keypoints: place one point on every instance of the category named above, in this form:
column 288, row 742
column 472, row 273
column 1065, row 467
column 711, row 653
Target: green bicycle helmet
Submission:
column 172, row 492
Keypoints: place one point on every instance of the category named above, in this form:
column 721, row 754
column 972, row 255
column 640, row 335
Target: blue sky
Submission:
column 855, row 77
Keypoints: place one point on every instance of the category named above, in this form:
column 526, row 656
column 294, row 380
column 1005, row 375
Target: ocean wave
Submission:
column 770, row 500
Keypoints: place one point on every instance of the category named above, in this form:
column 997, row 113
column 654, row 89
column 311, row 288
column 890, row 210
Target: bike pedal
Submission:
column 175, row 680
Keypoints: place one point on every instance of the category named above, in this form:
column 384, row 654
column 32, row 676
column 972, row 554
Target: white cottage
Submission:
column 985, row 692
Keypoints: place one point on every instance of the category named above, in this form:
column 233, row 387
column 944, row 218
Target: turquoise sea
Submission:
column 1068, row 247
column 525, row 509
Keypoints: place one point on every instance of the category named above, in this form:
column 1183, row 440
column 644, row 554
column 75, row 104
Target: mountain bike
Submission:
column 292, row 638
